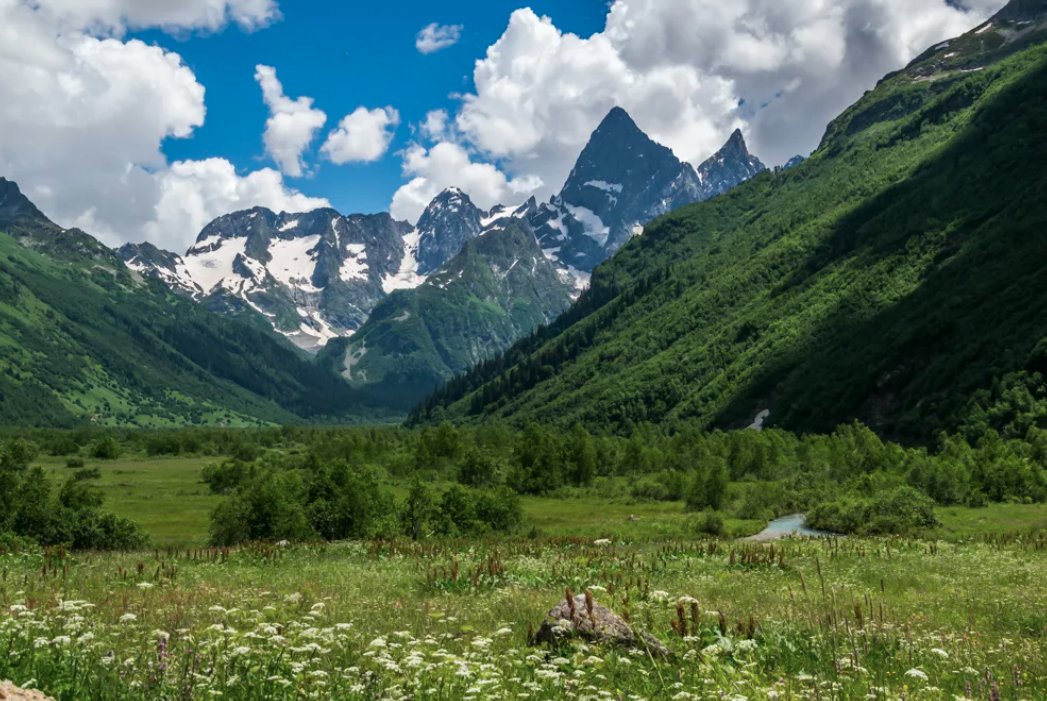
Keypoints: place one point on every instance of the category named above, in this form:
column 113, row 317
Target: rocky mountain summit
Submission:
column 319, row 276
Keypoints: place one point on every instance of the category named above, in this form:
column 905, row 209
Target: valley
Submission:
column 588, row 414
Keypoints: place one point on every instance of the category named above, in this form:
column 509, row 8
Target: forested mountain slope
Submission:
column 498, row 288
column 84, row 339
column 894, row 277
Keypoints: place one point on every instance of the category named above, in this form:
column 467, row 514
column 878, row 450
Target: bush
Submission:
column 163, row 444
column 105, row 448
column 650, row 489
column 64, row 445
column 89, row 473
column 899, row 511
column 17, row 455
column 75, row 461
column 708, row 523
column 464, row 511
column 227, row 476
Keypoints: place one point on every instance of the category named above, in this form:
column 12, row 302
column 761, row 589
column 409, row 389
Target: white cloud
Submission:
column 448, row 164
column 82, row 121
column 291, row 126
column 116, row 16
column 436, row 36
column 435, row 125
column 193, row 193
column 690, row 72
column 363, row 136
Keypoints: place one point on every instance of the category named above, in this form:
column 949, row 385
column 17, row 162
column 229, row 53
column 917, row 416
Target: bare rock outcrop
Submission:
column 581, row 617
column 10, row 692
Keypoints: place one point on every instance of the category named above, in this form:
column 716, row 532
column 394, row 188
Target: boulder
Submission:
column 593, row 623
column 10, row 692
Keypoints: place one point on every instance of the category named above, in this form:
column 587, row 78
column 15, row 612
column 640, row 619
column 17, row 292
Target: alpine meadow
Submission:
column 584, row 402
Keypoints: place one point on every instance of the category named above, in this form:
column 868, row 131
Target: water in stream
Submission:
column 790, row 525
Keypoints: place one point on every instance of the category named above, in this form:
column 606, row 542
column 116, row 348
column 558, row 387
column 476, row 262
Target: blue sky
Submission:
column 344, row 55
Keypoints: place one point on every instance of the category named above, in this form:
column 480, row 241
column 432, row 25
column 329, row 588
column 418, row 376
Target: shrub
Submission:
column 898, row 511
column 105, row 448
column 75, row 461
column 89, row 473
column 465, row 511
column 17, row 455
column 163, row 444
column 708, row 523
column 64, row 445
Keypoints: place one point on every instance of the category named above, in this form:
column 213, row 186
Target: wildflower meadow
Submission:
column 453, row 619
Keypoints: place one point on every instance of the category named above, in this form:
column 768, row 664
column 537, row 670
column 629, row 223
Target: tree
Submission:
column 105, row 448
column 581, row 456
column 477, row 469
column 18, row 454
column 419, row 509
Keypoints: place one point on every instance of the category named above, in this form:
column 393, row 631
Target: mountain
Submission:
column 84, row 339
column 314, row 276
column 621, row 181
column 499, row 288
column 448, row 222
column 21, row 219
column 793, row 162
column 895, row 278
column 527, row 263
column 728, row 167
column 169, row 268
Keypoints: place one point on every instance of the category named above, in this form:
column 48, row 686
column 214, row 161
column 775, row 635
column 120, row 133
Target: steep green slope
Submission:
column 497, row 289
column 84, row 339
column 894, row 277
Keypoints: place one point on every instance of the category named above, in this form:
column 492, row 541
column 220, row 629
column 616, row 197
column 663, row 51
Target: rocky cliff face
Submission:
column 623, row 180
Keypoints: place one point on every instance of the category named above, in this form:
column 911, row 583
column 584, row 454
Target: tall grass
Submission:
column 848, row 619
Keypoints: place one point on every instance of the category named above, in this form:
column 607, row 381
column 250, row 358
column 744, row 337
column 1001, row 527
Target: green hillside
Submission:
column 83, row 339
column 497, row 289
column 895, row 277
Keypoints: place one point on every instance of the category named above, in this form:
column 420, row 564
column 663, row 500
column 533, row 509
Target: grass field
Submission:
column 954, row 616
column 167, row 498
column 853, row 619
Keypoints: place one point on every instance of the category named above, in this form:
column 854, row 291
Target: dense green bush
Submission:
column 105, row 448
column 29, row 508
column 899, row 511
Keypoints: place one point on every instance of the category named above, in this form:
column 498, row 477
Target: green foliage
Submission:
column 464, row 511
column 900, row 511
column 17, row 455
column 30, row 508
column 709, row 523
column 105, row 448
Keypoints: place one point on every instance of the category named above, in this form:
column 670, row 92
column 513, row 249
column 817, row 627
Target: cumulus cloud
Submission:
column 83, row 119
column 362, row 136
column 291, row 126
column 435, row 125
column 116, row 16
column 435, row 37
column 192, row 193
column 690, row 72
column 448, row 164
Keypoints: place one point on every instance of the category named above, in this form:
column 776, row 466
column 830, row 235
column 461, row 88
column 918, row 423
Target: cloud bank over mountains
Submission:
column 86, row 111
column 689, row 72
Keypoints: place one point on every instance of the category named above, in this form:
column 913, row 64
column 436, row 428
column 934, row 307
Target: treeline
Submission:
column 301, row 483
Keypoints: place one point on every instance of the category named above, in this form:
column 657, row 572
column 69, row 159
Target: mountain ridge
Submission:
column 848, row 287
